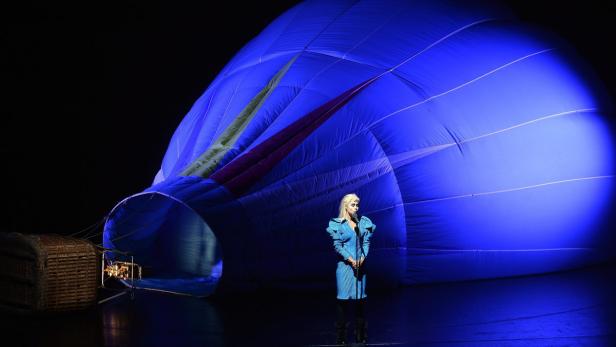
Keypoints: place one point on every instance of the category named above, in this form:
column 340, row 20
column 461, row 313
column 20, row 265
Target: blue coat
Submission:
column 345, row 243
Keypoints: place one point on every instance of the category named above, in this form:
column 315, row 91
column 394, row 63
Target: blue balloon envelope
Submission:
column 476, row 146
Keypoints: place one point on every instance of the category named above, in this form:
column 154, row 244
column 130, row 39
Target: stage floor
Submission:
column 575, row 308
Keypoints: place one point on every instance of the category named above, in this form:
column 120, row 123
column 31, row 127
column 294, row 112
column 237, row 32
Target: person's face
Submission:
column 352, row 207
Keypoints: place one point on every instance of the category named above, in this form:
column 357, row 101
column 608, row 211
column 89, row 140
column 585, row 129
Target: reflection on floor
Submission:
column 575, row 308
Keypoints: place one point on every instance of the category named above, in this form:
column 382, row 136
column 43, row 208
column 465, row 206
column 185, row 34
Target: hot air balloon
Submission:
column 476, row 145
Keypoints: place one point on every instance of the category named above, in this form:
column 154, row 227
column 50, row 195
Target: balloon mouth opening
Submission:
column 175, row 247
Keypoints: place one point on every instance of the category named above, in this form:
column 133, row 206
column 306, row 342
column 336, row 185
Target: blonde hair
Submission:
column 345, row 201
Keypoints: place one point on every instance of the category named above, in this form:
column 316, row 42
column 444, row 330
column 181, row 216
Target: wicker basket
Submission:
column 47, row 273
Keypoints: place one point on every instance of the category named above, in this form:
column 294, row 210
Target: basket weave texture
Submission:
column 47, row 273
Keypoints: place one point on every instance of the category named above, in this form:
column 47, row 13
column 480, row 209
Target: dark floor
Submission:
column 575, row 308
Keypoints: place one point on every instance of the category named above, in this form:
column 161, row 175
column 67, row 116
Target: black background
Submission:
column 93, row 93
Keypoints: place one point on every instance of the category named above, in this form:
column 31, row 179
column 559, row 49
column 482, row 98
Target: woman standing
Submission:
column 351, row 236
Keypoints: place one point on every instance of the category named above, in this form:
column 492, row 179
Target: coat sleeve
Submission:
column 370, row 227
column 333, row 230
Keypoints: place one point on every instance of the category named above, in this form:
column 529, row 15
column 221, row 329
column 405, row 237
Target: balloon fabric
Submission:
column 479, row 147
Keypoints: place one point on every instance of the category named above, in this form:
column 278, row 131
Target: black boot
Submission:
column 341, row 333
column 361, row 331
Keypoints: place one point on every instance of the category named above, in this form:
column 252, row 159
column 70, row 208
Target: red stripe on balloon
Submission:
column 244, row 171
